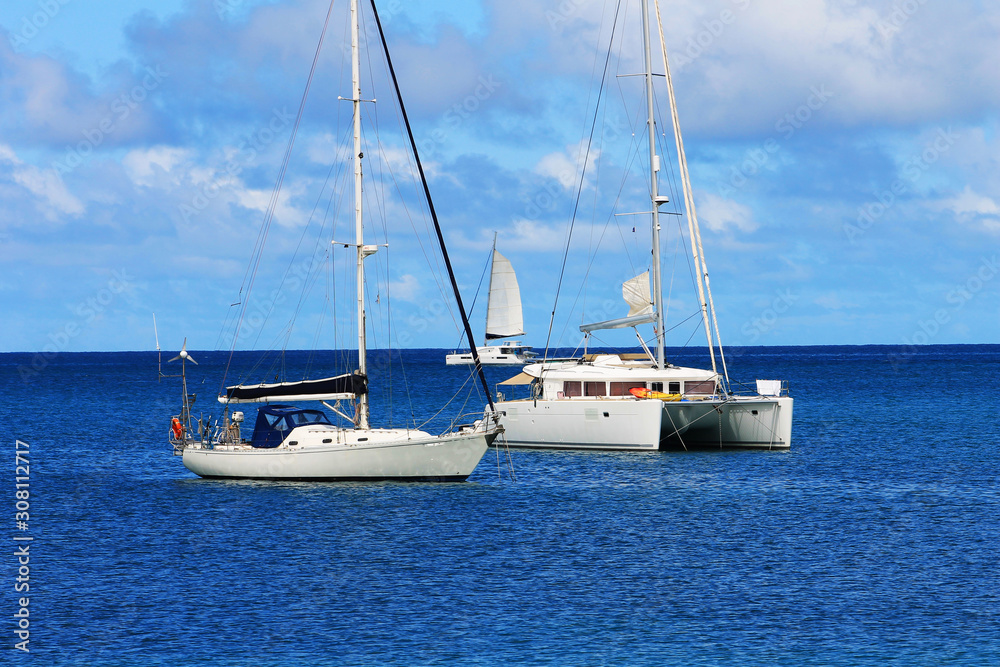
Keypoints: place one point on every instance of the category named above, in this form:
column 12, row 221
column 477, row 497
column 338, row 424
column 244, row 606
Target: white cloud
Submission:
column 407, row 288
column 143, row 165
column 968, row 202
column 51, row 195
column 325, row 149
column 285, row 214
column 7, row 155
column 722, row 214
column 564, row 166
column 973, row 209
column 532, row 235
column 834, row 301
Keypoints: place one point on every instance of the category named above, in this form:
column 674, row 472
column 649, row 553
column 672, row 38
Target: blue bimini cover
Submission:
column 275, row 422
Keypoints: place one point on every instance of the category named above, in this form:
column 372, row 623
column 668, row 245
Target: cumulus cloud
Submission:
column 45, row 185
column 502, row 107
column 971, row 207
column 285, row 212
column 44, row 101
column 533, row 235
column 406, row 288
column 724, row 215
column 564, row 166
column 968, row 202
column 144, row 166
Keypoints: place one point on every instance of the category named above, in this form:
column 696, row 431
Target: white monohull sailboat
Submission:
column 641, row 401
column 295, row 443
column 504, row 320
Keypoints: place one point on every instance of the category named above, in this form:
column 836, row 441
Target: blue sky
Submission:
column 844, row 155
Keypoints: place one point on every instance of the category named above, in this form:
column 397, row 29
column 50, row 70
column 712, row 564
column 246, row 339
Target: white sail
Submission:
column 636, row 293
column 637, row 296
column 504, row 317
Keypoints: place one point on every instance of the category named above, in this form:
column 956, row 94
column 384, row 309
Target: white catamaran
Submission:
column 294, row 443
column 504, row 320
column 641, row 401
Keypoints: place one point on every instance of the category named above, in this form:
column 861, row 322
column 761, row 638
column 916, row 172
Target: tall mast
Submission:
column 359, row 238
column 655, row 199
column 701, row 268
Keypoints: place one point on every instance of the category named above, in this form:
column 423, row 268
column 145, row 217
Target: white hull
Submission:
column 387, row 454
column 648, row 424
column 508, row 354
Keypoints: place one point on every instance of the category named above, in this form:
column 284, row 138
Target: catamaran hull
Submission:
column 739, row 423
column 581, row 424
column 498, row 360
column 648, row 425
column 511, row 353
column 439, row 459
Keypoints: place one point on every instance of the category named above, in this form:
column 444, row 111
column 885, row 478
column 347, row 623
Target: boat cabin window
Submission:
column 702, row 387
column 656, row 386
column 308, row 417
column 596, row 388
column 622, row 388
column 275, row 422
column 572, row 389
column 674, row 387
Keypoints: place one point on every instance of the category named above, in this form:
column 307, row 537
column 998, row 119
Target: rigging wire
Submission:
column 430, row 205
column 576, row 206
column 479, row 287
column 251, row 273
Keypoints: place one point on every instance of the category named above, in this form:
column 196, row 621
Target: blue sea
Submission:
column 875, row 540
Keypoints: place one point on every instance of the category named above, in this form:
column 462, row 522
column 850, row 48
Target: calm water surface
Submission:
column 874, row 541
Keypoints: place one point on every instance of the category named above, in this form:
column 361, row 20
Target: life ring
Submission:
column 176, row 428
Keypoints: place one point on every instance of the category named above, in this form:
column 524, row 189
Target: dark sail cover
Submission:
column 352, row 384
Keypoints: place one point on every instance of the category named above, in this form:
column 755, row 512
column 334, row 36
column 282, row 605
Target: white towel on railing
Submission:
column 769, row 387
